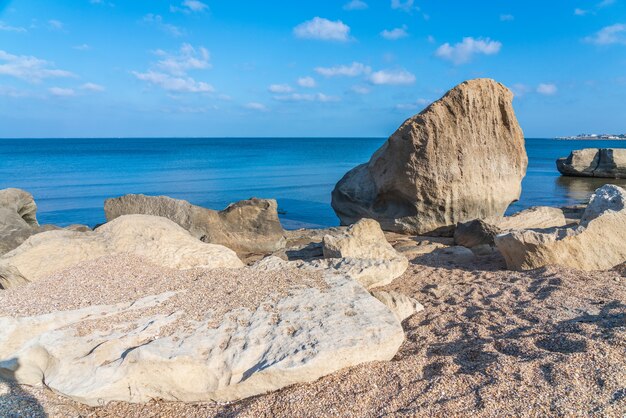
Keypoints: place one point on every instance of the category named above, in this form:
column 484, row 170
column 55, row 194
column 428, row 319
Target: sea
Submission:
column 71, row 178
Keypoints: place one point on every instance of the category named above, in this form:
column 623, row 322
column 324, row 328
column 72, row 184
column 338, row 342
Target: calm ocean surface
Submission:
column 70, row 178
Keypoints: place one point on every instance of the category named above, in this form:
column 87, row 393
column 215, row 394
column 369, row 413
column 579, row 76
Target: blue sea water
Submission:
column 71, row 178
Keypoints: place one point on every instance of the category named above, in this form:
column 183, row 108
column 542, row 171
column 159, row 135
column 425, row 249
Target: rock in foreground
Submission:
column 594, row 162
column 121, row 329
column 157, row 239
column 462, row 158
column 598, row 243
column 248, row 226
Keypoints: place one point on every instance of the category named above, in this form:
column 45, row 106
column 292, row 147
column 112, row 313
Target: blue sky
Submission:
column 99, row 68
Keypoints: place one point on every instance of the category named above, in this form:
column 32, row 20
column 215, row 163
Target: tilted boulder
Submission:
column 597, row 243
column 461, row 158
column 159, row 240
column 365, row 240
column 247, row 226
column 189, row 336
column 594, row 162
column 532, row 218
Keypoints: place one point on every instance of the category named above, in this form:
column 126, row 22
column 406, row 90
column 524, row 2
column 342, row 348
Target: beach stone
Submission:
column 152, row 348
column 18, row 218
column 594, row 162
column 401, row 305
column 366, row 241
column 533, row 218
column 461, row 158
column 157, row 239
column 597, row 243
column 474, row 233
column 247, row 226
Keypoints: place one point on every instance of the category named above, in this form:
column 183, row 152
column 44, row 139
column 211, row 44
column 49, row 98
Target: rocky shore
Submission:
column 427, row 301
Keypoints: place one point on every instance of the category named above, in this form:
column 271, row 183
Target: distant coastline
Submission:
column 592, row 137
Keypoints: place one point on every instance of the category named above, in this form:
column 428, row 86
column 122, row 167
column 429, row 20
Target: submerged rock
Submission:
column 594, row 162
column 462, row 158
column 247, row 226
column 157, row 239
column 597, row 243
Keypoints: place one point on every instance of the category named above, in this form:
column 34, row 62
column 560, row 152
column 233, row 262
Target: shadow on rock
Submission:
column 14, row 401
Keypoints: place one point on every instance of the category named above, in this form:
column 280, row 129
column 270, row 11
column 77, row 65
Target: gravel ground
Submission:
column 549, row 342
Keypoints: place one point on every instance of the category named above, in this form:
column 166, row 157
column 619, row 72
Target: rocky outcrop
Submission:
column 594, row 162
column 187, row 339
column 248, row 226
column 18, row 218
column 462, row 158
column 597, row 243
column 366, row 241
column 157, row 239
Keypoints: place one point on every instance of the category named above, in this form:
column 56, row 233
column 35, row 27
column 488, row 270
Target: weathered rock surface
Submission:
column 173, row 346
column 18, row 218
column 462, row 158
column 533, row 218
column 594, row 162
column 597, row 243
column 157, row 239
column 247, row 226
column 474, row 233
column 401, row 305
column 366, row 241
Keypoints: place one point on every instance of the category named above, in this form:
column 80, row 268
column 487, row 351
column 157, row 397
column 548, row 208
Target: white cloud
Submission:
column 174, row 84
column 360, row 89
column 355, row 5
column 190, row 6
column 188, row 58
column 546, row 89
column 29, row 68
column 353, row 70
column 580, row 12
column 614, row 34
column 280, row 88
column 391, row 77
column 323, row 29
column 157, row 21
column 394, row 34
column 418, row 104
column 55, row 24
column 606, row 3
column 298, row 97
column 92, row 87
column 308, row 82
column 462, row 52
column 83, row 47
column 61, row 92
column 507, row 18
column 256, row 106
column 405, row 5
column 520, row 89
column 6, row 28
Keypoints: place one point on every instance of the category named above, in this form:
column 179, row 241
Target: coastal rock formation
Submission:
column 594, row 162
column 401, row 305
column 461, row 158
column 187, row 336
column 18, row 218
column 157, row 239
column 365, row 240
column 532, row 218
column 598, row 243
column 248, row 226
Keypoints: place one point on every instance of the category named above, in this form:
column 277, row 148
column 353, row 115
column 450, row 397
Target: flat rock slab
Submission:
column 594, row 162
column 119, row 328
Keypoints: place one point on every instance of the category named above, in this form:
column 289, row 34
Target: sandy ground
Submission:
column 549, row 342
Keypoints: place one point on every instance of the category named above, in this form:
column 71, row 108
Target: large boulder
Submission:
column 366, row 241
column 597, row 243
column 594, row 162
column 248, row 226
column 159, row 240
column 18, row 218
column 461, row 158
column 102, row 332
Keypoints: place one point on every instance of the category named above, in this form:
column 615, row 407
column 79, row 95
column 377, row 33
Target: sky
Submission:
column 217, row 68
